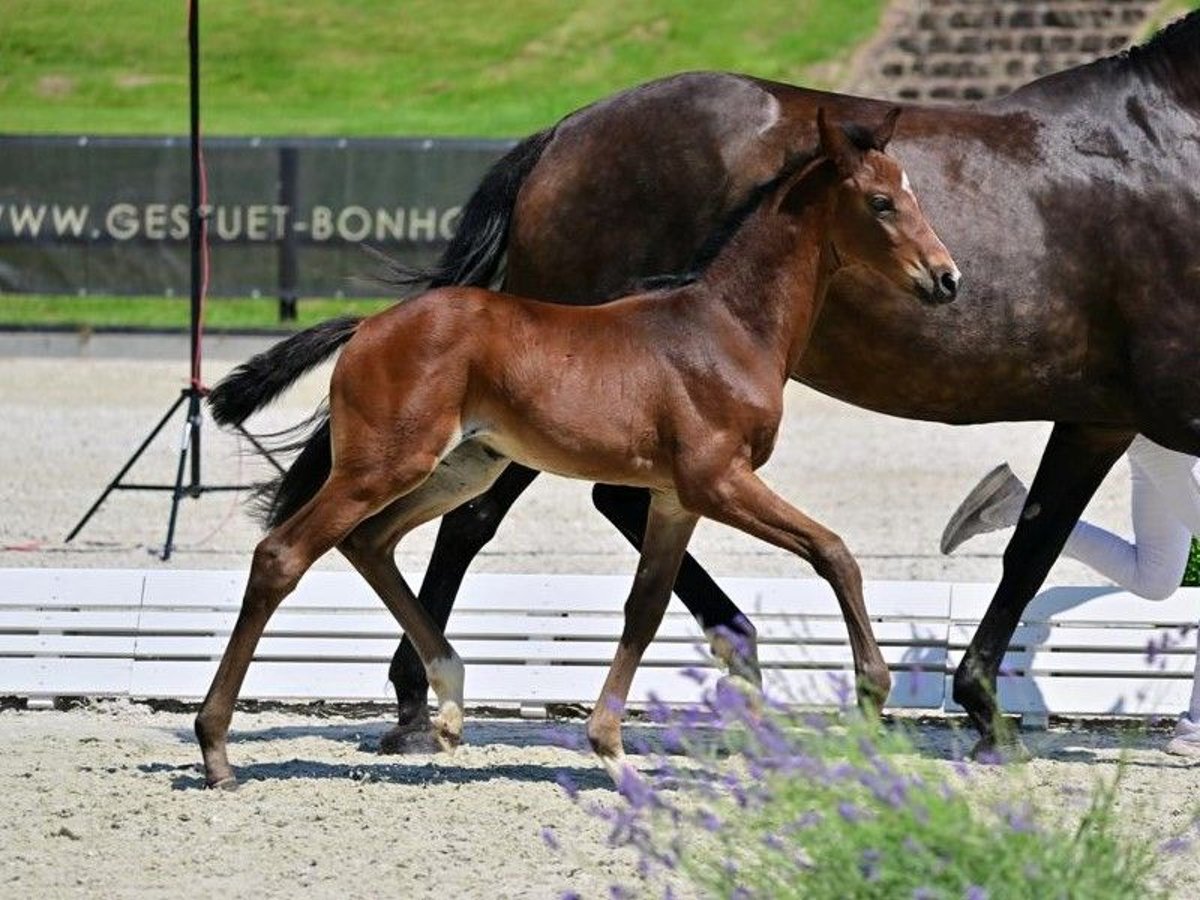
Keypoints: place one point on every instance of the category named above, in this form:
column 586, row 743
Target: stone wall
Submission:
column 955, row 50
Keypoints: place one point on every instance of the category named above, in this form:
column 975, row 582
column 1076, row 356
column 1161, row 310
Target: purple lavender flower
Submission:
column 568, row 784
column 773, row 841
column 976, row 892
column 924, row 893
column 842, row 689
column 570, row 895
column 657, row 711
column 639, row 745
column 549, row 838
column 810, row 819
column 1177, row 844
column 635, row 789
column 568, row 738
column 850, row 812
column 708, row 820
column 1018, row 818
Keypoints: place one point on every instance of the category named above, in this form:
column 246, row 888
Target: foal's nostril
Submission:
column 949, row 283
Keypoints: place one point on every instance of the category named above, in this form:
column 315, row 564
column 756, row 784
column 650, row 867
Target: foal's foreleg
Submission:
column 730, row 634
column 668, row 529
column 741, row 499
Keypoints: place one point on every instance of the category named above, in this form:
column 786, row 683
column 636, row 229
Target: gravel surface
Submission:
column 104, row 800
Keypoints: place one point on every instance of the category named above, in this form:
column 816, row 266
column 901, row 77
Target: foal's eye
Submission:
column 881, row 203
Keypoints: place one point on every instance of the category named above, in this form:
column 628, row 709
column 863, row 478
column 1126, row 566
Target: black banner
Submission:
column 287, row 216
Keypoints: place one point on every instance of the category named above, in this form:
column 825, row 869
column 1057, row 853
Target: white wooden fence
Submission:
column 532, row 640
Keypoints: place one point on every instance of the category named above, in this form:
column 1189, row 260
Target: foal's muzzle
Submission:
column 939, row 284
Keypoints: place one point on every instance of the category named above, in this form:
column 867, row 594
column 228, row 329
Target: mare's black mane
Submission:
column 1171, row 59
column 860, row 137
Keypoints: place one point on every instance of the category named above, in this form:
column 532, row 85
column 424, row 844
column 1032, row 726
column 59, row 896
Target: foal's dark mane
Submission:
column 859, row 136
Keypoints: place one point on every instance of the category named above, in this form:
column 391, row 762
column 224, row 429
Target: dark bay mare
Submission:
column 1073, row 207
column 678, row 391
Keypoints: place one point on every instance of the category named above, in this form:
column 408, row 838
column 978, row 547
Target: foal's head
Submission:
column 876, row 222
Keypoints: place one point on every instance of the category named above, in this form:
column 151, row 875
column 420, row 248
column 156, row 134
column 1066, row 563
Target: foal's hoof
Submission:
column 228, row 783
column 992, row 753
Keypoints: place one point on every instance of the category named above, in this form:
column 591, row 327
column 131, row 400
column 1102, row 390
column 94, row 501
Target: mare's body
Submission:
column 680, row 392
column 1073, row 207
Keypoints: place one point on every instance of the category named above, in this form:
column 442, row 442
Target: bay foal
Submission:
column 679, row 391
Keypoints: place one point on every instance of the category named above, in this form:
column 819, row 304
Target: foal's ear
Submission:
column 803, row 186
column 837, row 146
column 883, row 133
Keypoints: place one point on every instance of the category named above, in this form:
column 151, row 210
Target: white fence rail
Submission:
column 532, row 640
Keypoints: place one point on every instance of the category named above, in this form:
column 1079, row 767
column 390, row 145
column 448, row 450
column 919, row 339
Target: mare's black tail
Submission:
column 474, row 253
column 472, row 258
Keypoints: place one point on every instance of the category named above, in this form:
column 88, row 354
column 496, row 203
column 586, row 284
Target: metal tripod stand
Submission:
column 195, row 391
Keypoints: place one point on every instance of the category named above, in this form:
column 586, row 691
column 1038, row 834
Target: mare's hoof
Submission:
column 399, row 742
column 228, row 783
column 992, row 753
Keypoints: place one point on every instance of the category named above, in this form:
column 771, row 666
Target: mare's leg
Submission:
column 668, row 529
column 738, row 497
column 1075, row 462
column 463, row 533
column 280, row 559
column 731, row 635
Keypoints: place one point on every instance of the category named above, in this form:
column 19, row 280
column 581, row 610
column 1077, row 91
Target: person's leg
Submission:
column 1165, row 508
column 1186, row 739
column 1152, row 565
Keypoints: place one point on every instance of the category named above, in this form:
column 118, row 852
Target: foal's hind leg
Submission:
column 464, row 531
column 738, row 497
column 280, row 559
column 467, row 472
column 668, row 529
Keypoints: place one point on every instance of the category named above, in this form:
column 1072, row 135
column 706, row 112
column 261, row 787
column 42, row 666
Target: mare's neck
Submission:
column 772, row 276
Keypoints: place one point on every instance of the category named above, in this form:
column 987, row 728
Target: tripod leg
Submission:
column 190, row 432
column 112, row 485
column 195, row 489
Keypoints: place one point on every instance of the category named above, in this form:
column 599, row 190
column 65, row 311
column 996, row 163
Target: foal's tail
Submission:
column 261, row 379
column 474, row 253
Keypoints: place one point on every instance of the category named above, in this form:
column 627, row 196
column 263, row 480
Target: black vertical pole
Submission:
column 287, row 247
column 198, row 215
column 190, row 442
column 196, row 232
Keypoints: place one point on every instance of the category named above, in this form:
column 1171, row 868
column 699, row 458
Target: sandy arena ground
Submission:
column 104, row 800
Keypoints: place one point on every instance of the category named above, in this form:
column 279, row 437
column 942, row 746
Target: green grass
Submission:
column 380, row 67
column 162, row 313
column 368, row 67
